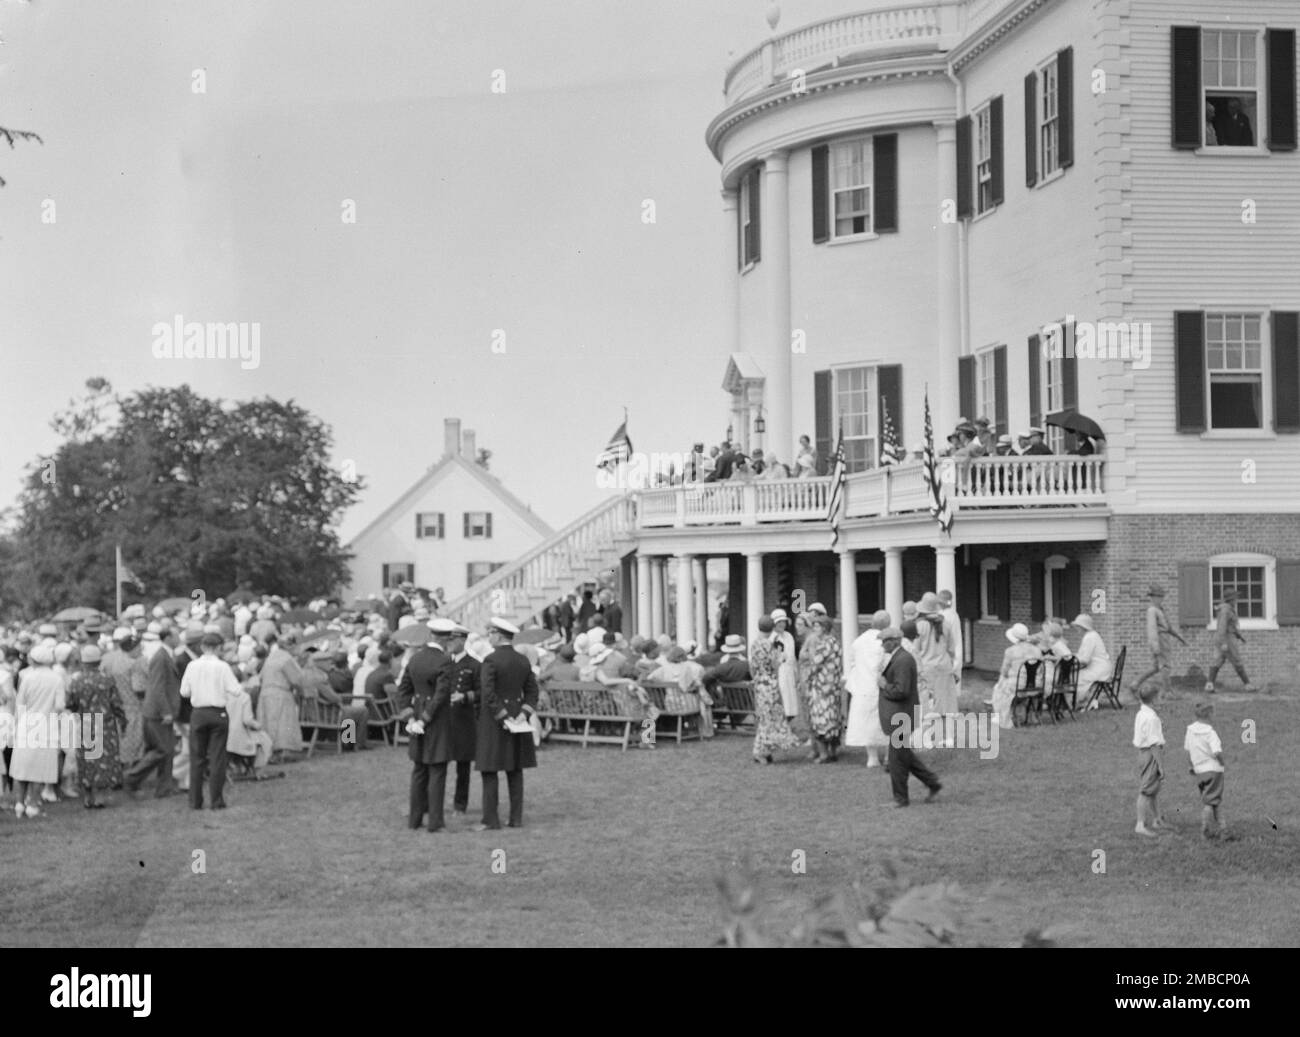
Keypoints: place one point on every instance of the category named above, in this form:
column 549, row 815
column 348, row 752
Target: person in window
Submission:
column 807, row 462
column 1232, row 126
column 1211, row 138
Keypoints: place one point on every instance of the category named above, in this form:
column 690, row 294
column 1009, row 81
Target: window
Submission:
column 430, row 525
column 856, row 406
column 1049, row 127
column 1235, row 369
column 984, row 198
column 749, row 226
column 476, row 571
column 1054, row 589
column 986, row 400
column 398, row 572
column 989, row 581
column 478, row 525
column 1230, row 80
column 1254, row 578
column 851, row 177
column 1054, row 394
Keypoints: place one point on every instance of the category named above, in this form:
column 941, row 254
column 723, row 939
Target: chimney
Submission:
column 451, row 436
column 468, row 445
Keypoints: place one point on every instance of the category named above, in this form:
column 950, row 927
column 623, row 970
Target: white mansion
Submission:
column 914, row 197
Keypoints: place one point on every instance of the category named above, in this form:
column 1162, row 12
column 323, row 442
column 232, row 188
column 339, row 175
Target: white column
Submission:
column 644, row 624
column 848, row 601
column 731, row 265
column 947, row 330
column 945, row 569
column 774, row 221
column 753, row 593
column 685, row 598
column 894, row 584
column 701, row 601
column 656, row 596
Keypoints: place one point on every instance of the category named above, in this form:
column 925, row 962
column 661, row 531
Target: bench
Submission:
column 574, row 704
column 735, row 701
column 382, row 712
column 679, row 711
column 317, row 716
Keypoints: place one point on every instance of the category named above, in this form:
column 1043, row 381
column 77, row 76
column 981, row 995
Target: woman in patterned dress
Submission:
column 772, row 729
column 821, row 672
column 94, row 694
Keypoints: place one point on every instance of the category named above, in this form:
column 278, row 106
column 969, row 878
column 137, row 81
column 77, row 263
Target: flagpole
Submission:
column 117, row 573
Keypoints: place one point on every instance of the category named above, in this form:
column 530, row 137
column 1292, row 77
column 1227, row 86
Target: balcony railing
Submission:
column 986, row 483
column 908, row 27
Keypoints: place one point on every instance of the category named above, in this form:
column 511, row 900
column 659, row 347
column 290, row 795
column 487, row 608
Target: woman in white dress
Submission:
column 40, row 698
column 806, row 461
column 865, row 658
column 1004, row 691
column 787, row 674
column 1094, row 661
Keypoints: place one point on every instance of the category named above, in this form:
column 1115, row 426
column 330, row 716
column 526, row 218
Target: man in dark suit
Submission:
column 565, row 617
column 613, row 612
column 425, row 695
column 899, row 710
column 509, row 691
column 1232, row 125
column 586, row 610
column 399, row 604
column 162, row 704
column 1036, row 444
column 464, row 719
column 731, row 669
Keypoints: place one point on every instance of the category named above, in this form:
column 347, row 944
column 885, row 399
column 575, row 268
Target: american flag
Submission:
column 890, row 451
column 836, row 505
column 125, row 575
column 618, row 450
column 939, row 507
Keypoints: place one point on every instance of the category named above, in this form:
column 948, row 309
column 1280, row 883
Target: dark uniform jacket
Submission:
column 899, row 695
column 464, row 724
column 426, row 689
column 730, row 671
column 507, row 684
column 162, row 696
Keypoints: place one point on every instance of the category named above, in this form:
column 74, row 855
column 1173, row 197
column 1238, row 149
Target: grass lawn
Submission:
column 624, row 848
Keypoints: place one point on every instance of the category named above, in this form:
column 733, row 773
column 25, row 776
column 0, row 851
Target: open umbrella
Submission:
column 1072, row 421
column 77, row 615
column 176, row 604
column 413, row 634
column 301, row 616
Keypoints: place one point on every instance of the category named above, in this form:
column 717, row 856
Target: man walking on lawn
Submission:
column 1226, row 635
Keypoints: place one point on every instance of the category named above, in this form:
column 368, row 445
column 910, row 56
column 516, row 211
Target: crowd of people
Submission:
column 974, row 439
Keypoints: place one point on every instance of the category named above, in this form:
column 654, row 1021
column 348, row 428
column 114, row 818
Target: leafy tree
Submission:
column 201, row 494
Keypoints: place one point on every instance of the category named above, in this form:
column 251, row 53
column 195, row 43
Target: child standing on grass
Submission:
column 1206, row 754
column 1149, row 740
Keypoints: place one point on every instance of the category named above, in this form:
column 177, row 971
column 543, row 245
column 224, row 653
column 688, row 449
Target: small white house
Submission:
column 454, row 526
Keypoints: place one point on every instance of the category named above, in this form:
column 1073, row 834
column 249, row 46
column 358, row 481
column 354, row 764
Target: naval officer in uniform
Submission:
column 508, row 690
column 424, row 694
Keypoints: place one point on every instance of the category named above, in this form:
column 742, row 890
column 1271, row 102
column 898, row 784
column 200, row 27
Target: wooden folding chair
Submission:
column 1065, row 682
column 1110, row 688
column 1028, row 692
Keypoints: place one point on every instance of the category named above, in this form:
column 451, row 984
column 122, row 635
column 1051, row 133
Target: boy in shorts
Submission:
column 1149, row 740
column 1205, row 752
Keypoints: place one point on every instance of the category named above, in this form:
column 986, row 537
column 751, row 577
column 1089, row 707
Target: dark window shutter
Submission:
column 740, row 225
column 821, row 209
column 487, row 525
column 383, row 582
column 968, row 592
column 1065, row 108
column 419, row 531
column 1031, row 129
column 965, row 160
column 465, row 530
column 469, row 574
column 1069, row 386
column 995, row 150
column 1189, row 360
column 755, row 209
column 1000, row 392
column 1286, row 372
column 889, row 381
column 1035, row 381
column 1072, row 591
column 1288, row 594
column 822, row 413
column 1188, row 110
column 1193, row 594
column 1003, row 585
column 1037, row 607
column 884, row 156
column 966, row 386
column 827, row 579
column 1281, row 89
column 442, row 526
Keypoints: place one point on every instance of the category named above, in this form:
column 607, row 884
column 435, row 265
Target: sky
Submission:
column 517, row 209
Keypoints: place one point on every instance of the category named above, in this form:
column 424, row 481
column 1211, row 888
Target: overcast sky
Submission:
column 475, row 211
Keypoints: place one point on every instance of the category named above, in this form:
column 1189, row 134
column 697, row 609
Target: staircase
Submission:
column 579, row 552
